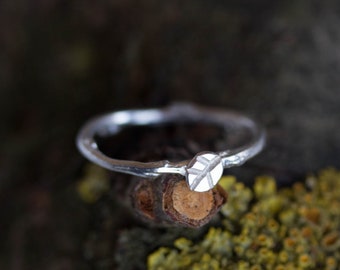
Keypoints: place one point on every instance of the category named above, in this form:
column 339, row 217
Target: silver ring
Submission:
column 203, row 172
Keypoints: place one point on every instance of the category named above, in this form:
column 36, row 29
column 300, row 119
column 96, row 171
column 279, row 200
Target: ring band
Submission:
column 203, row 171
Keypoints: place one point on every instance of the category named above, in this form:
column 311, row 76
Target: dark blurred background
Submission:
column 62, row 62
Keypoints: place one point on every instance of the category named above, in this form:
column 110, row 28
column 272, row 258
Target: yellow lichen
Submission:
column 226, row 182
column 156, row 259
column 94, row 183
column 305, row 261
column 264, row 186
column 267, row 228
column 182, row 243
column 331, row 263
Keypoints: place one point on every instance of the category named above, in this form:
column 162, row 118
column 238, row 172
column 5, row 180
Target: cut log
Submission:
column 167, row 200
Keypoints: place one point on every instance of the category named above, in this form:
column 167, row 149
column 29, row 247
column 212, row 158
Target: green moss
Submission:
column 267, row 228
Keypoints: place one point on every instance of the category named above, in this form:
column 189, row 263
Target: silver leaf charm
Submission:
column 204, row 171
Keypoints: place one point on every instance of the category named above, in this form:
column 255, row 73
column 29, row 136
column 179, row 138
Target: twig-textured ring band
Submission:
column 203, row 171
